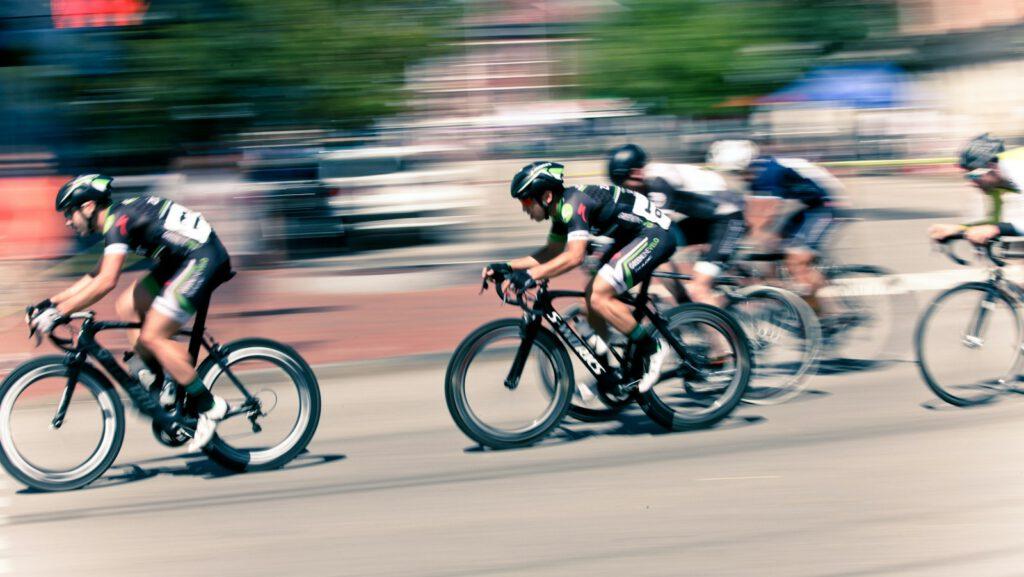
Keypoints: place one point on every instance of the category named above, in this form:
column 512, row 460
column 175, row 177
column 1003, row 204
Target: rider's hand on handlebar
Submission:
column 44, row 322
column 941, row 232
column 522, row 280
column 497, row 269
column 982, row 234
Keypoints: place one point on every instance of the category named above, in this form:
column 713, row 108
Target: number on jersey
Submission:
column 643, row 207
column 187, row 223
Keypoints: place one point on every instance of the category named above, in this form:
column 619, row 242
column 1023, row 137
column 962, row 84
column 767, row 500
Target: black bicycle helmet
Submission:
column 535, row 178
column 82, row 189
column 623, row 160
column 980, row 151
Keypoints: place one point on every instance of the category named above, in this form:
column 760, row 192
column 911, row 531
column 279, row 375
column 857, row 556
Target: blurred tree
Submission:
column 199, row 71
column 689, row 56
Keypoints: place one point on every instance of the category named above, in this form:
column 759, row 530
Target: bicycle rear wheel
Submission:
column 785, row 338
column 58, row 459
column 494, row 414
column 289, row 405
column 704, row 382
column 968, row 344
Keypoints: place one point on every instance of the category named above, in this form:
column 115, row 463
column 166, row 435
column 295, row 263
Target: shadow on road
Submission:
column 195, row 465
column 844, row 366
column 628, row 422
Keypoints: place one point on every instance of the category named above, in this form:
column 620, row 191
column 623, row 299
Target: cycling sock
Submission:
column 640, row 333
column 200, row 394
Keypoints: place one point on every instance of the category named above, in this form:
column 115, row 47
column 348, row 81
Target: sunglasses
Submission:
column 977, row 173
column 527, row 202
column 69, row 212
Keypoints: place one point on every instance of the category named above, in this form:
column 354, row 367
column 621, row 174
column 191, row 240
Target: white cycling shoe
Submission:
column 207, row 425
column 652, row 372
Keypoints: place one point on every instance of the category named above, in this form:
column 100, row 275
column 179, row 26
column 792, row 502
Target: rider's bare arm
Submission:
column 570, row 258
column 75, row 288
column 91, row 289
column 551, row 250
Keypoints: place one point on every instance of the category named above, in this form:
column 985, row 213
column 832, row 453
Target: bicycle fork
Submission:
column 528, row 332
column 74, row 368
column 974, row 338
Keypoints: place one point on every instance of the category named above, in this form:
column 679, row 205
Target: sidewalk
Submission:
column 324, row 328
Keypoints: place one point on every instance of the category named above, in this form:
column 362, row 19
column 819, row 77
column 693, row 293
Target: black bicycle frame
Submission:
column 543, row 310
column 87, row 346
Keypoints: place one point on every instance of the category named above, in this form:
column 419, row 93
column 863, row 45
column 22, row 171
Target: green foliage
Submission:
column 688, row 56
column 261, row 63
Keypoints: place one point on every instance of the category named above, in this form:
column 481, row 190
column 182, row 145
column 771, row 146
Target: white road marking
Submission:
column 752, row 477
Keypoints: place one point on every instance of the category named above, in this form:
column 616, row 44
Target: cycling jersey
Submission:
column 690, row 191
column 1004, row 205
column 190, row 260
column 640, row 231
column 156, row 228
column 793, row 179
column 607, row 210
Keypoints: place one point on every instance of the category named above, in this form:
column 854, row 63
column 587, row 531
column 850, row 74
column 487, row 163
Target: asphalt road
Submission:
column 866, row 474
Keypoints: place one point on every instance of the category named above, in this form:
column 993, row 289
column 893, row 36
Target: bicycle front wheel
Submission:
column 860, row 306
column 46, row 458
column 968, row 344
column 495, row 412
column 785, row 338
column 283, row 420
column 706, row 372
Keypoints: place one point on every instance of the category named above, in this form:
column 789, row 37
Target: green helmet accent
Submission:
column 535, row 178
column 81, row 189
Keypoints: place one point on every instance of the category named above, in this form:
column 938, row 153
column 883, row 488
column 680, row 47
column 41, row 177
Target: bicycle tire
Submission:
column 457, row 399
column 986, row 391
column 106, row 450
column 287, row 359
column 662, row 412
column 762, row 338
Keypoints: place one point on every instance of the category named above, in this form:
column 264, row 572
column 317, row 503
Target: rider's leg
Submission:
column 131, row 306
column 810, row 236
column 629, row 266
column 156, row 336
column 800, row 263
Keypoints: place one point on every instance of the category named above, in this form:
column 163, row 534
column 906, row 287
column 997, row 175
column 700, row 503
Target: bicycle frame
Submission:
column 543, row 309
column 87, row 346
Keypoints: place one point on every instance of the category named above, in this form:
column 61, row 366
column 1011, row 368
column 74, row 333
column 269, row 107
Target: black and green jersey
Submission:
column 156, row 228
column 604, row 210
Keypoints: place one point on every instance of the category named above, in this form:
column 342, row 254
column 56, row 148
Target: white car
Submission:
column 400, row 194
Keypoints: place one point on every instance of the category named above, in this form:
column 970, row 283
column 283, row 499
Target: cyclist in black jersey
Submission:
column 190, row 263
column 699, row 200
column 642, row 242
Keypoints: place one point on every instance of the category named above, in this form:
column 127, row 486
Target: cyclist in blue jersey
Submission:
column 806, row 232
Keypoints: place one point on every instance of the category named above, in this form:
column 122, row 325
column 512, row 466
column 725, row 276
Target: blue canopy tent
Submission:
column 853, row 86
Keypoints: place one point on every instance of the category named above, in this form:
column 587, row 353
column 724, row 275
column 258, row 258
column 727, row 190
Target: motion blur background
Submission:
column 346, row 135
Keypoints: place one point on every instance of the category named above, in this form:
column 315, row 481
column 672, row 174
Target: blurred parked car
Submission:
column 297, row 218
column 386, row 196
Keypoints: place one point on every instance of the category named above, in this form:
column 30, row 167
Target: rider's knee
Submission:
column 125, row 306
column 152, row 340
column 800, row 258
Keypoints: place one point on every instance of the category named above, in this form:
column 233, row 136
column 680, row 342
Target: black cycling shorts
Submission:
column 182, row 286
column 723, row 234
column 809, row 229
column 627, row 265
